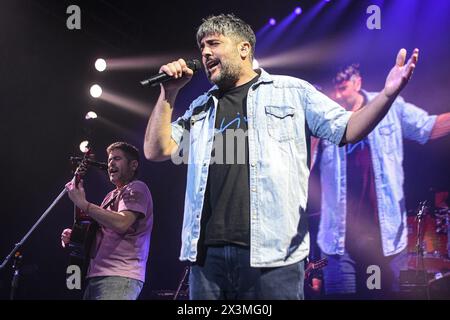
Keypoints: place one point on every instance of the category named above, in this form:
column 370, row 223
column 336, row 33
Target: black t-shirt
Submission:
column 226, row 209
column 362, row 209
column 363, row 227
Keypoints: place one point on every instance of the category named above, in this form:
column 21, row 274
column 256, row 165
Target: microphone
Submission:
column 193, row 64
column 100, row 165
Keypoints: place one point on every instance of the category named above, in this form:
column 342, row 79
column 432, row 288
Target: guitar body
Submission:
column 83, row 235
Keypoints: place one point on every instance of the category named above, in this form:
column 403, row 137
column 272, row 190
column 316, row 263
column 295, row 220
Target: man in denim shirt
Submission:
column 244, row 225
column 363, row 214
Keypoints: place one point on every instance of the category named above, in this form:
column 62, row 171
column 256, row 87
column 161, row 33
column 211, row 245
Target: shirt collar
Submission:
column 264, row 77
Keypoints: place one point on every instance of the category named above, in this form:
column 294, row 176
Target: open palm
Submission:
column 400, row 74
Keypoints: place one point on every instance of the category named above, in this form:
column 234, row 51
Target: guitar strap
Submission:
column 111, row 201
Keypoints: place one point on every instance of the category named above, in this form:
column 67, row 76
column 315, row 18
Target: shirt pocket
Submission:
column 280, row 122
column 387, row 134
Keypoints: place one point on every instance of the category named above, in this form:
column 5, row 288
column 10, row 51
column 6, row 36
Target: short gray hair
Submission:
column 227, row 25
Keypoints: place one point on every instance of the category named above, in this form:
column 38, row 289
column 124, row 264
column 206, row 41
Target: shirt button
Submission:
column 253, row 164
column 253, row 189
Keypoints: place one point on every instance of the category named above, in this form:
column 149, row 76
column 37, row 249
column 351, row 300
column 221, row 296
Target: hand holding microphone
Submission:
column 180, row 71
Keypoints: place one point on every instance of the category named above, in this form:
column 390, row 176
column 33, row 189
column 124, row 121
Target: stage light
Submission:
column 100, row 65
column 91, row 115
column 96, row 91
column 272, row 21
column 84, row 146
column 298, row 11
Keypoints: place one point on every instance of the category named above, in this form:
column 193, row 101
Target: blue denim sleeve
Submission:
column 180, row 125
column 326, row 119
column 177, row 130
column 416, row 123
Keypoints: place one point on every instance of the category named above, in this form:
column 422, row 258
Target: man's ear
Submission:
column 134, row 164
column 244, row 49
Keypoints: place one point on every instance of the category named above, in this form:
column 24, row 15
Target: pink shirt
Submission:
column 125, row 254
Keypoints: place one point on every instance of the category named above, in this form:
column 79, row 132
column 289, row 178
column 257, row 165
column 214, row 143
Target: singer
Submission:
column 244, row 225
column 119, row 255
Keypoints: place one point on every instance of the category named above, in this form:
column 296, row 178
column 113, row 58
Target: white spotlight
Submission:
column 96, row 91
column 91, row 115
column 100, row 65
column 84, row 146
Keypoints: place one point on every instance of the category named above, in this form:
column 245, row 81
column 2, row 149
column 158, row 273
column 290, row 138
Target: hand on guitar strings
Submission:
column 77, row 194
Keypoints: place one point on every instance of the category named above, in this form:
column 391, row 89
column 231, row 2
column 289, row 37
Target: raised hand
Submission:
column 400, row 74
column 179, row 71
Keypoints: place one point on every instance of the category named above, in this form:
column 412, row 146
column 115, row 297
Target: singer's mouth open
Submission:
column 210, row 65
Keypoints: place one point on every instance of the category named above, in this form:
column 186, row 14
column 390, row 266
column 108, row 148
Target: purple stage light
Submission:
column 298, row 10
column 272, row 21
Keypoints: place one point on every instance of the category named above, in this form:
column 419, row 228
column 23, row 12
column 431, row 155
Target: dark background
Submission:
column 46, row 71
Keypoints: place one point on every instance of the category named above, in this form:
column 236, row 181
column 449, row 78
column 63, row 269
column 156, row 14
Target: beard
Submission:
column 228, row 76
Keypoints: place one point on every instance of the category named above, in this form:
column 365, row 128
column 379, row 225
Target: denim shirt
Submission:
column 386, row 150
column 282, row 112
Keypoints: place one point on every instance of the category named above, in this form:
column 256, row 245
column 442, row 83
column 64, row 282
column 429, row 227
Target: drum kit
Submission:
column 428, row 252
column 433, row 240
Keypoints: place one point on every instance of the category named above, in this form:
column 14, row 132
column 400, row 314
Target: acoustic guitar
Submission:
column 84, row 228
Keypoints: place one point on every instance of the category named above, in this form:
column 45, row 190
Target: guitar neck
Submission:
column 316, row 265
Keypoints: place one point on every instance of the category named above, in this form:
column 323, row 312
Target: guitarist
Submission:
column 119, row 254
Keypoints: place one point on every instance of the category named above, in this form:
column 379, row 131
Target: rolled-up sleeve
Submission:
column 326, row 119
column 181, row 124
column 417, row 124
column 178, row 126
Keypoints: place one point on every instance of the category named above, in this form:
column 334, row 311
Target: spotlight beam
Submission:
column 146, row 62
column 308, row 55
column 132, row 105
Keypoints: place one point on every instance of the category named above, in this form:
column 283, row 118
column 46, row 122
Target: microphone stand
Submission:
column 180, row 285
column 15, row 279
column 419, row 246
column 82, row 166
column 22, row 241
